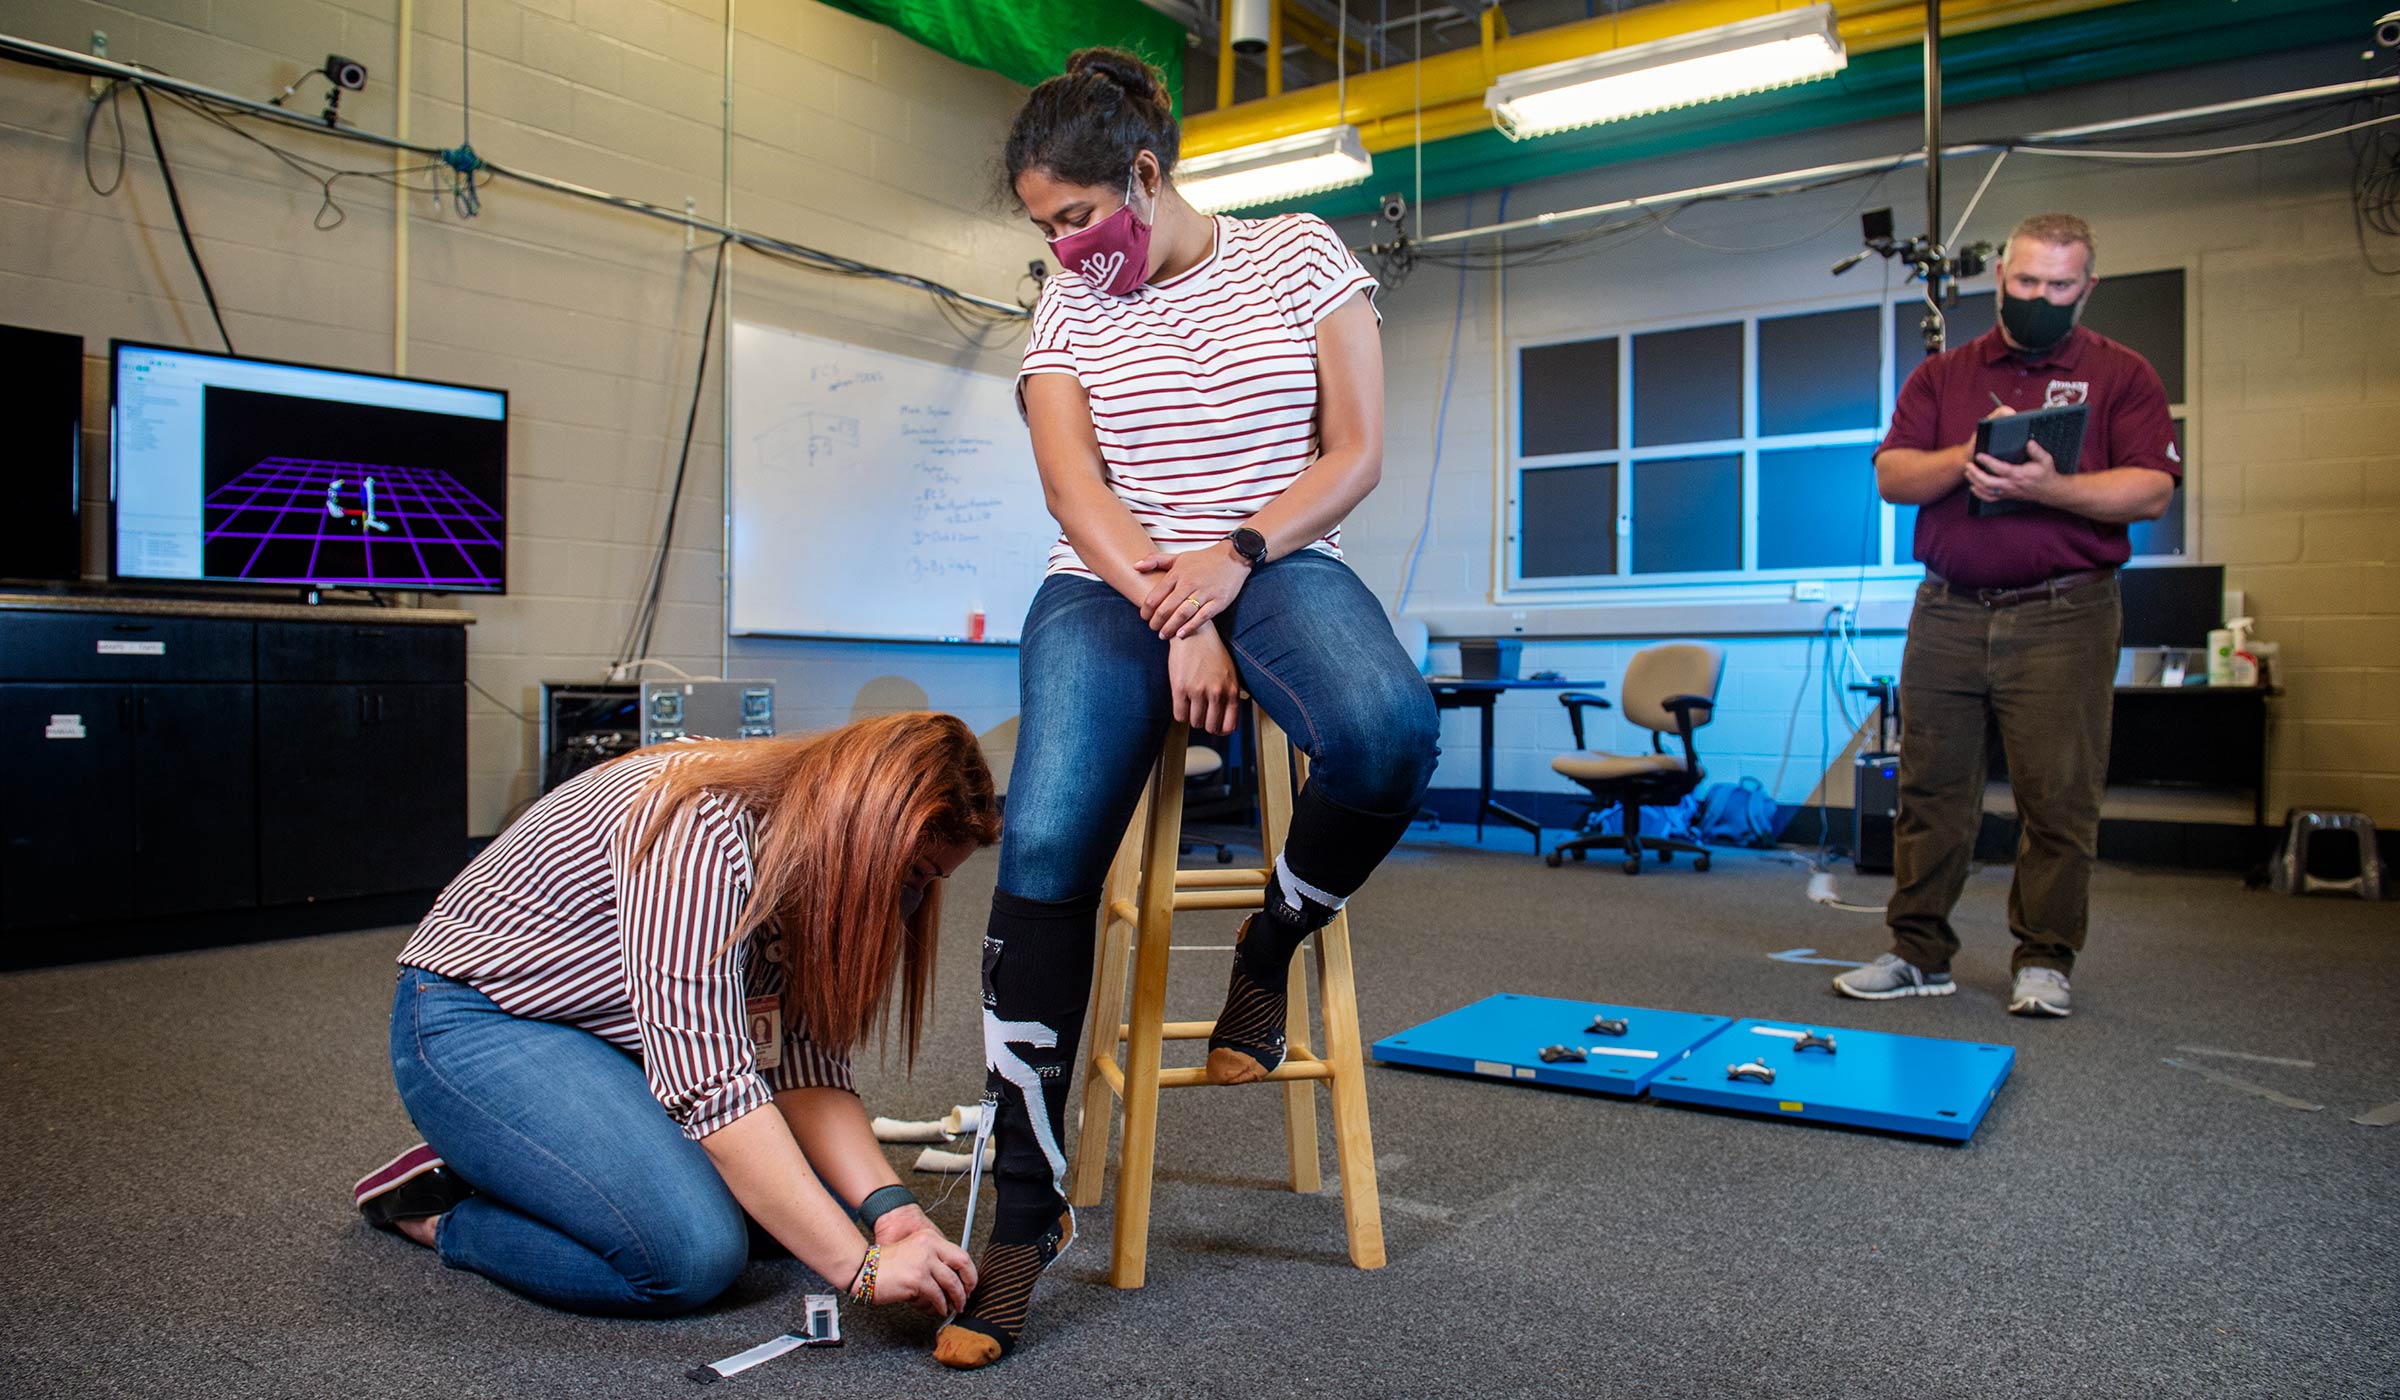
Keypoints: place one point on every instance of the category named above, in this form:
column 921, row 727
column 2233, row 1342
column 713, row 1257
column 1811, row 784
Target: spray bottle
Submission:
column 2244, row 662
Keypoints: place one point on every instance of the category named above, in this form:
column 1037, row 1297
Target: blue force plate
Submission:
column 1898, row 1083
column 1502, row 1037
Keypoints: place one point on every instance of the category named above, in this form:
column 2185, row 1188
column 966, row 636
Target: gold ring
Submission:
column 1192, row 602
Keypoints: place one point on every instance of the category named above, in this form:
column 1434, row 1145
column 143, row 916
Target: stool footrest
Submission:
column 1221, row 879
column 1299, row 1065
column 1253, row 898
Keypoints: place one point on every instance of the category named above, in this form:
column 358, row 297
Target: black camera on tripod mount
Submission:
column 1927, row 262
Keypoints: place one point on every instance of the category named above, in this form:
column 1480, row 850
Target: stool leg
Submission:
column 1275, row 772
column 1300, row 1098
column 1362, row 1209
column 1138, row 1154
column 1107, row 1012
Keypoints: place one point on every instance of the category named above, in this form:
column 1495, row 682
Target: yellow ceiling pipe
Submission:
column 1382, row 104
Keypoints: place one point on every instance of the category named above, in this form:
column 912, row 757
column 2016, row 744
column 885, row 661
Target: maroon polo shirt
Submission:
column 1945, row 398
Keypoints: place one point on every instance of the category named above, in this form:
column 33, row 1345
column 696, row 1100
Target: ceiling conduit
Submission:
column 1992, row 49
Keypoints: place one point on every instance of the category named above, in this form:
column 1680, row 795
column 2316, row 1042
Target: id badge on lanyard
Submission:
column 765, row 1015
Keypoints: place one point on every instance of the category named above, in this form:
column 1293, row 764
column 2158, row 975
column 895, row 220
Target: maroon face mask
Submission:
column 1113, row 254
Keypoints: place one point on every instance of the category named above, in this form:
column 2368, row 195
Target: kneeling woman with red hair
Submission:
column 629, row 1022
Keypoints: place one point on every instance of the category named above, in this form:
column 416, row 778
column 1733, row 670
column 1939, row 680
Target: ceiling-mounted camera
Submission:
column 340, row 74
column 1395, row 209
column 1927, row 261
column 2387, row 31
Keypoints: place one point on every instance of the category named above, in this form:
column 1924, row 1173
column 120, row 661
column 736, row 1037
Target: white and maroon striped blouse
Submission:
column 1203, row 387
column 553, row 923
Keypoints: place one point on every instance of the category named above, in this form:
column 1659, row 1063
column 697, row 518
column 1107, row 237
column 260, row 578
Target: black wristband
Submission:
column 882, row 1201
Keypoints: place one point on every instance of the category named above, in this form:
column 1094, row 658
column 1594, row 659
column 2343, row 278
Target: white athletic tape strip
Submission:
column 934, row 1159
column 1627, row 1054
column 2244, row 1085
column 957, row 1123
column 742, row 1361
column 2383, row 1117
column 1777, row 1031
column 1293, row 884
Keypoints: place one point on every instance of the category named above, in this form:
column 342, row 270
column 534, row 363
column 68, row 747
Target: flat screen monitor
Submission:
column 41, row 467
column 224, row 469
column 2172, row 605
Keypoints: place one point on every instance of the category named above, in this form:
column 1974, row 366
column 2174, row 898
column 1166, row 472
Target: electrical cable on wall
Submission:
column 2375, row 180
column 973, row 316
column 183, row 225
column 645, row 616
column 1441, row 414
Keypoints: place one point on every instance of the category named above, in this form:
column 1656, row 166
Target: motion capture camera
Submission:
column 1395, row 208
column 2387, row 31
column 340, row 74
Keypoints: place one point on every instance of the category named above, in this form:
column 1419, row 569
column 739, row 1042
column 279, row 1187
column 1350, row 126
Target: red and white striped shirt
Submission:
column 1203, row 387
column 553, row 922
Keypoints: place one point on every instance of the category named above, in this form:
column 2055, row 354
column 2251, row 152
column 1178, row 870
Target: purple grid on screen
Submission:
column 424, row 506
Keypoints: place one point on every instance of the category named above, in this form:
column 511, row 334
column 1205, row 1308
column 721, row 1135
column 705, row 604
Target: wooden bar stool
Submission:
column 1143, row 892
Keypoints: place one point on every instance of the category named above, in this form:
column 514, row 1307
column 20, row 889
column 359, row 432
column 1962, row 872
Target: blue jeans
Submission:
column 1312, row 646
column 588, row 1197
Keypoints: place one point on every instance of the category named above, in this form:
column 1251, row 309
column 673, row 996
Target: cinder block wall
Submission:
column 2295, row 464
column 845, row 136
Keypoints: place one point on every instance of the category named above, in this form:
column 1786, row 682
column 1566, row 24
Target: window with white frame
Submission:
column 1741, row 448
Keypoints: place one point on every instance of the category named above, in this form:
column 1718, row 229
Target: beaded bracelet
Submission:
column 862, row 1288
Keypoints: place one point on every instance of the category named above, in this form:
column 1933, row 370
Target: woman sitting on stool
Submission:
column 597, row 1010
column 1205, row 397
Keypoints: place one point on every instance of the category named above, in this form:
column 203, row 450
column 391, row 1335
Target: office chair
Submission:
column 1209, row 790
column 1669, row 689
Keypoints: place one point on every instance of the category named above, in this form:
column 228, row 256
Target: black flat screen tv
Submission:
column 226, row 469
column 41, row 468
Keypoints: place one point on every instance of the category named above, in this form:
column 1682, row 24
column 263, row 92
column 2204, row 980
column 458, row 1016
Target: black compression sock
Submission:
column 987, row 1328
column 1248, row 1044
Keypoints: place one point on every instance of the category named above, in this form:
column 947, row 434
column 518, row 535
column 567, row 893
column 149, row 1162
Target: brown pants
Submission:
column 2044, row 671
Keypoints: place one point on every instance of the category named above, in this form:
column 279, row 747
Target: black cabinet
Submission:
column 367, row 799
column 164, row 765
column 67, row 821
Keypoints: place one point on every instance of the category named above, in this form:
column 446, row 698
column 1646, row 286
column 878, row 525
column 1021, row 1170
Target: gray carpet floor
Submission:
column 180, row 1132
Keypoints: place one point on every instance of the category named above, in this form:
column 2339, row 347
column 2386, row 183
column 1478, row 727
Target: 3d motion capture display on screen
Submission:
column 233, row 470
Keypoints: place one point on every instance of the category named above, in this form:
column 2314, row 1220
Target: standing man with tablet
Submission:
column 2017, row 620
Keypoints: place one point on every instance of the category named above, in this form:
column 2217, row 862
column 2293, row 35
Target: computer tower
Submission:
column 707, row 709
column 41, row 472
column 585, row 725
column 1875, row 807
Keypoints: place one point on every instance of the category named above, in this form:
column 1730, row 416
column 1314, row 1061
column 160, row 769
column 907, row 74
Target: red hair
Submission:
column 840, row 818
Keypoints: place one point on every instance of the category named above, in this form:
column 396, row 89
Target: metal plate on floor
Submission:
column 1506, row 1037
column 1866, row 1079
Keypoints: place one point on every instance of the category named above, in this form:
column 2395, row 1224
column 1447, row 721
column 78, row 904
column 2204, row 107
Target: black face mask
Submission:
column 2035, row 323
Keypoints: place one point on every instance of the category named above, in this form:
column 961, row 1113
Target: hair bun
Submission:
column 1126, row 70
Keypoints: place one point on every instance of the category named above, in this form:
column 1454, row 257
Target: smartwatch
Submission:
column 883, row 1201
column 1249, row 544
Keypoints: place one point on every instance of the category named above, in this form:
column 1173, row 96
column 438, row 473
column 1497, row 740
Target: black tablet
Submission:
column 2058, row 430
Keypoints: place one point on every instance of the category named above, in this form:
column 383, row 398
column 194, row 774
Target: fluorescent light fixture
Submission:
column 1267, row 171
column 1751, row 55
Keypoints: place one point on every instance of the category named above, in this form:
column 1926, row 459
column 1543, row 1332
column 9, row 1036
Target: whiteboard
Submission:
column 879, row 496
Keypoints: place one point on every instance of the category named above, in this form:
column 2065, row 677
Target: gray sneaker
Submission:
column 1894, row 976
column 2040, row 991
